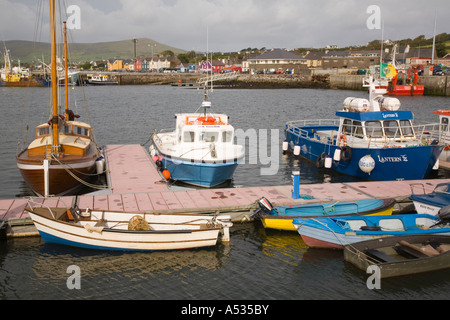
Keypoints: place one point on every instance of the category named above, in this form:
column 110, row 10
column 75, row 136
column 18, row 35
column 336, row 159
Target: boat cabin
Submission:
column 70, row 127
column 377, row 126
column 195, row 128
column 444, row 119
column 74, row 138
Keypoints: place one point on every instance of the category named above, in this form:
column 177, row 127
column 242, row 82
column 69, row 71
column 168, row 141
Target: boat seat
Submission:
column 410, row 251
column 427, row 250
column 379, row 256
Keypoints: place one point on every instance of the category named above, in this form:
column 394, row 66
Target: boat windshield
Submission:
column 406, row 128
column 209, row 136
column 42, row 131
column 378, row 129
column 391, row 128
column 227, row 136
column 81, row 131
column 444, row 124
column 188, row 136
column 374, row 129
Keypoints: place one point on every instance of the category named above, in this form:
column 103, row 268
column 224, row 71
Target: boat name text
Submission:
column 393, row 115
column 402, row 158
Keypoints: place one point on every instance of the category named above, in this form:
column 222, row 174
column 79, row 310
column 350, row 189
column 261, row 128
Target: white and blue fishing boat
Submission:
column 433, row 202
column 371, row 139
column 335, row 233
column 201, row 150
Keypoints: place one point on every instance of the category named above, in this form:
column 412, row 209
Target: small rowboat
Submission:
column 110, row 230
column 281, row 217
column 336, row 232
column 401, row 255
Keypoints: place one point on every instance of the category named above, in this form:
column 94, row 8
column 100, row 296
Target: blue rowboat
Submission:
column 371, row 139
column 335, row 233
column 281, row 217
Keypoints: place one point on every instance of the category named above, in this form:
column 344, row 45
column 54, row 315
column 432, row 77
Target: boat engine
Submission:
column 444, row 215
column 264, row 206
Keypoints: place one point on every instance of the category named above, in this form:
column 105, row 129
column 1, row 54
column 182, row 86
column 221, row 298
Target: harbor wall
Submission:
column 434, row 85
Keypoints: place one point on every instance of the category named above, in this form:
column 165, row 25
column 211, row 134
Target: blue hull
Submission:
column 200, row 174
column 48, row 238
column 409, row 163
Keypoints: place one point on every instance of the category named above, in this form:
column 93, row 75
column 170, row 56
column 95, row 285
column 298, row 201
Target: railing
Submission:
column 376, row 137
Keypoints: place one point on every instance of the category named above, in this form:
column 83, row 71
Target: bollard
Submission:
column 296, row 184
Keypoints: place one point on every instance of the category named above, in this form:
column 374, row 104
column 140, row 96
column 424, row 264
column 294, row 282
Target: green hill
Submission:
column 29, row 51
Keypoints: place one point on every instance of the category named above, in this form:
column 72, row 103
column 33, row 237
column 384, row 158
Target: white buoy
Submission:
column 367, row 164
column 285, row 146
column 100, row 165
column 297, row 150
column 337, row 154
column 328, row 162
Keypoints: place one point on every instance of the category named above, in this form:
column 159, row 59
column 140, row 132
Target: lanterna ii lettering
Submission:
column 402, row 158
column 390, row 115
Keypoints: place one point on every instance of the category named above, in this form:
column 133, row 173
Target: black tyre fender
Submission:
column 346, row 153
column 320, row 162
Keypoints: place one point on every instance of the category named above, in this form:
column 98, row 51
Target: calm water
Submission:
column 257, row 264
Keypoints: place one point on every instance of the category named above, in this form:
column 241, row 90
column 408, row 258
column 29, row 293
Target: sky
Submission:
column 233, row 25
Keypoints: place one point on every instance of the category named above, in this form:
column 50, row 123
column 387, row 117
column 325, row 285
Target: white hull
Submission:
column 426, row 208
column 168, row 232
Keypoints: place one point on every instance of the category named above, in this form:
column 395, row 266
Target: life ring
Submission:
column 343, row 140
column 320, row 162
column 346, row 153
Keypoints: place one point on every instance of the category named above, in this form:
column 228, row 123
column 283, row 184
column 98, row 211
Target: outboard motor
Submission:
column 264, row 206
column 444, row 215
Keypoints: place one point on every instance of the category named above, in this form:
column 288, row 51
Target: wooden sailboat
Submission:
column 63, row 154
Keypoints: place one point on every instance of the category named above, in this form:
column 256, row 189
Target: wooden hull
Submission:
column 166, row 232
column 61, row 181
column 393, row 262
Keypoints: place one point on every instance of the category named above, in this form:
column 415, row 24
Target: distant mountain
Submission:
column 29, row 51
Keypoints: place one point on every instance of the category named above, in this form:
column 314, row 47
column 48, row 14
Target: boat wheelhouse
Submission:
column 371, row 139
column 444, row 132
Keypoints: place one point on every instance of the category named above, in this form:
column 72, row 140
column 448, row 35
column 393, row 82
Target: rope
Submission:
column 93, row 186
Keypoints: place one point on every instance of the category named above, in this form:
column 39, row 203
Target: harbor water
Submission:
column 257, row 264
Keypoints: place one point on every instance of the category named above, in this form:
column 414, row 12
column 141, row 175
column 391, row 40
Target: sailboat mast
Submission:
column 66, row 77
column 55, row 133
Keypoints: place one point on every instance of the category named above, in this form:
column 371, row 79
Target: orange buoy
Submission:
column 166, row 174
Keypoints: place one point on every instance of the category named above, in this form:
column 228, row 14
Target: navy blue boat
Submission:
column 371, row 139
column 433, row 202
